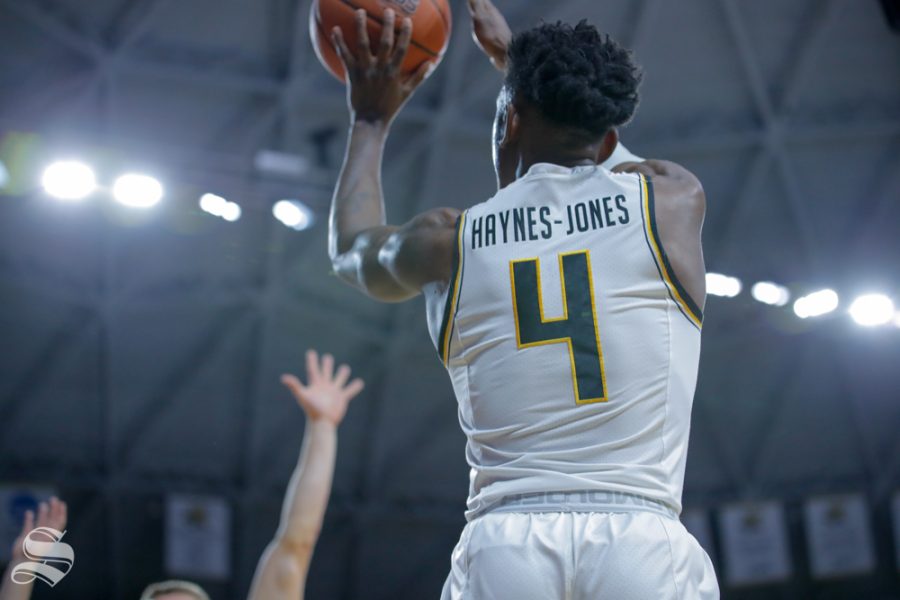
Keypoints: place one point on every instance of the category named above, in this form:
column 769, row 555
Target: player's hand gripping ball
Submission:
column 431, row 21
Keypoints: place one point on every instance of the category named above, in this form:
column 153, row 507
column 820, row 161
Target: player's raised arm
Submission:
column 389, row 263
column 324, row 398
column 491, row 31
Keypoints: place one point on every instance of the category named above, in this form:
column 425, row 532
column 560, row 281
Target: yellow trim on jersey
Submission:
column 660, row 260
column 564, row 317
column 454, row 291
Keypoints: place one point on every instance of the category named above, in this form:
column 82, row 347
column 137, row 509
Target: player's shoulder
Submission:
column 669, row 181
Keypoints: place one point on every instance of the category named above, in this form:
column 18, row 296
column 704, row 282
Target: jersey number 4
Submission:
column 577, row 328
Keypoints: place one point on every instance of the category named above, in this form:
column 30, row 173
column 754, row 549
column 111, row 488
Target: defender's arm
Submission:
column 282, row 569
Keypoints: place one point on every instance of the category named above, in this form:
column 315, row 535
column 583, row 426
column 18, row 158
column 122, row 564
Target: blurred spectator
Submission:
column 51, row 514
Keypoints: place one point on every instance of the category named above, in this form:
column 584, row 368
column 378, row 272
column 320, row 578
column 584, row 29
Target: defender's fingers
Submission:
column 312, row 367
column 402, row 45
column 62, row 514
column 294, row 385
column 327, row 366
column 337, row 38
column 364, row 49
column 355, row 387
column 28, row 522
column 342, row 376
column 387, row 37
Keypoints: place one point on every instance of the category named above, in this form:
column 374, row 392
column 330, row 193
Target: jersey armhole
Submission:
column 676, row 291
column 451, row 305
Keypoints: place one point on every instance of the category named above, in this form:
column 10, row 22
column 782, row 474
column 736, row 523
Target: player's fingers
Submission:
column 327, row 367
column 355, row 387
column 62, row 516
column 342, row 376
column 337, row 37
column 364, row 49
column 312, row 367
column 387, row 37
column 402, row 45
column 42, row 514
column 418, row 76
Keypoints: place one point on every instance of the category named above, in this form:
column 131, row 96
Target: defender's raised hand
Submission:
column 491, row 31
column 53, row 514
column 376, row 87
column 327, row 394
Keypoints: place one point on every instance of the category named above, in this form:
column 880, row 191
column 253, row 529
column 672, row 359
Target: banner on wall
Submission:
column 755, row 543
column 696, row 521
column 198, row 536
column 895, row 511
column 838, row 536
column 15, row 500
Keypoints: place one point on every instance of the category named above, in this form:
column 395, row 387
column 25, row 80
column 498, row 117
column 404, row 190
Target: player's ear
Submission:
column 607, row 145
column 512, row 124
column 506, row 122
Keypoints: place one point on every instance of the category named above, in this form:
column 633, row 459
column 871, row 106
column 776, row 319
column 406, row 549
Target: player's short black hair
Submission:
column 575, row 76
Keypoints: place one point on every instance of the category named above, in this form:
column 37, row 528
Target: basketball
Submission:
column 430, row 35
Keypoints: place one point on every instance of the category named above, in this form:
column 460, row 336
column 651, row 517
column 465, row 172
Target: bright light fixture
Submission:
column 871, row 310
column 770, row 293
column 220, row 207
column 722, row 285
column 69, row 180
column 232, row 212
column 897, row 319
column 816, row 304
column 293, row 214
column 138, row 191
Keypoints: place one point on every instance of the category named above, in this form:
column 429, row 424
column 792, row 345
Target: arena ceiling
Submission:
column 141, row 354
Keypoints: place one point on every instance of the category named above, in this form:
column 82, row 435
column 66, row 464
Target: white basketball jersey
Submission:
column 572, row 348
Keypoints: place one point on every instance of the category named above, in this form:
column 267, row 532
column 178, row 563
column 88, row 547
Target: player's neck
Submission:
column 568, row 158
column 545, row 144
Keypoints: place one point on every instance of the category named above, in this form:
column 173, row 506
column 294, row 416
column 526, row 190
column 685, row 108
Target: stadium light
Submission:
column 816, row 304
column 293, row 214
column 770, row 293
column 871, row 310
column 69, row 180
column 897, row 319
column 220, row 207
column 232, row 212
column 723, row 285
column 138, row 191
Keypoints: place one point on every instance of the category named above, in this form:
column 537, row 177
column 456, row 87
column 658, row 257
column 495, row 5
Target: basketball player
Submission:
column 567, row 311
column 282, row 569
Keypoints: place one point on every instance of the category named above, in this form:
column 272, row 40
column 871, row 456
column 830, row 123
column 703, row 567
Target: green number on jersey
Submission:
column 577, row 328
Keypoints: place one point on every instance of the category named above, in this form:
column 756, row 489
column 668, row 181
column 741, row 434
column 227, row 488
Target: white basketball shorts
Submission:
column 638, row 555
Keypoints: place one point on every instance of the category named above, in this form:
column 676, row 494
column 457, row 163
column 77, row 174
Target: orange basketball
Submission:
column 430, row 36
